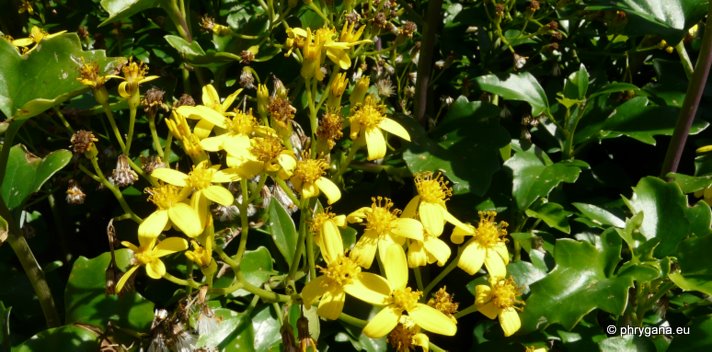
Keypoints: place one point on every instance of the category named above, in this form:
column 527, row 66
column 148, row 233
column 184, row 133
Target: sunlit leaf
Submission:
column 695, row 265
column 552, row 214
column 522, row 86
column 120, row 9
column 64, row 338
column 281, row 226
column 26, row 173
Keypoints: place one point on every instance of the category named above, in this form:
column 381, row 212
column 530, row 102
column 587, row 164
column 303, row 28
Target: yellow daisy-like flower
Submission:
column 316, row 46
column 172, row 209
column 487, row 246
column 367, row 125
column 429, row 204
column 201, row 181
column 211, row 113
column 36, row 36
column 406, row 336
column 325, row 227
column 236, row 139
column 268, row 155
column 342, row 275
column 308, row 179
column 180, row 129
column 134, row 73
column 383, row 228
column 499, row 299
column 148, row 254
column 403, row 299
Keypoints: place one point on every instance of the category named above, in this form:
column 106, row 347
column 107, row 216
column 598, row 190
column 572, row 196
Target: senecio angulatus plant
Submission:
column 353, row 175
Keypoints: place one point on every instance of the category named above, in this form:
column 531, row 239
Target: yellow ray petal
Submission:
column 370, row 288
column 489, row 310
column 483, row 294
column 432, row 320
column 364, row 251
column 501, row 249
column 393, row 127
column 375, row 144
column 509, row 320
column 170, row 176
column 204, row 113
column 431, row 215
column 219, row 194
column 417, row 256
column 408, row 228
column 411, row 209
column 155, row 269
column 124, row 278
column 153, row 225
column 333, row 244
column 210, row 95
column 381, row 324
column 472, row 258
column 396, row 267
column 313, row 290
column 331, row 304
column 170, row 245
column 494, row 264
column 330, row 189
column 212, row 144
column 438, row 249
column 184, row 217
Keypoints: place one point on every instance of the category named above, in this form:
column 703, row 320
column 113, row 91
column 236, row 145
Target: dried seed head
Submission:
column 75, row 195
column 185, row 100
column 247, row 57
column 153, row 100
column 123, row 175
column 247, row 80
column 82, row 141
column 408, row 29
column 152, row 162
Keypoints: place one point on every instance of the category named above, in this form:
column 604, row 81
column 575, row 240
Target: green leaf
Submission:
column 576, row 85
column 256, row 265
column 615, row 87
column 120, row 9
column 522, row 86
column 86, row 301
column 695, row 265
column 26, row 173
column 535, row 175
column 553, row 215
column 230, row 326
column 469, row 134
column 599, row 215
column 46, row 76
column 3, row 230
column 666, row 18
column 626, row 343
column 689, row 184
column 637, row 118
column 576, row 286
column 281, row 226
column 697, row 336
column 190, row 51
column 64, row 338
column 664, row 209
column 266, row 329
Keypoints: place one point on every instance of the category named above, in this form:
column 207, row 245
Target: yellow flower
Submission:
column 403, row 299
column 325, row 227
column 134, row 73
column 36, row 36
column 236, row 139
column 211, row 113
column 309, row 180
column 148, row 254
column 342, row 275
column 429, row 204
column 368, row 124
column 499, row 299
column 201, row 181
column 180, row 129
column 171, row 209
column 487, row 246
column 268, row 154
column 317, row 45
column 406, row 335
column 383, row 228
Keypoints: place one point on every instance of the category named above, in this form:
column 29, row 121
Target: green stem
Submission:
column 684, row 59
column 181, row 282
column 352, row 320
column 243, row 220
column 692, row 100
column 310, row 246
column 117, row 194
column 154, row 134
column 132, row 123
column 110, row 116
column 283, row 185
column 469, row 310
column 300, row 244
column 419, row 279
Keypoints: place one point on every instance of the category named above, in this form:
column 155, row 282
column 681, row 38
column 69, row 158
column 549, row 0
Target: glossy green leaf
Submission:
column 535, row 175
column 525, row 274
column 266, row 328
column 576, row 287
column 522, row 86
column 46, row 76
column 120, row 9
column 64, row 338
column 230, row 325
column 695, row 265
column 664, row 209
column 700, row 218
column 576, row 85
column 281, row 226
column 689, row 184
column 26, row 173
column 599, row 215
column 615, row 87
column 190, row 50
column 697, row 336
column 470, row 134
column 86, row 301
column 3, row 230
column 626, row 343
column 666, row 18
column 640, row 119
column 256, row 266
column 552, row 214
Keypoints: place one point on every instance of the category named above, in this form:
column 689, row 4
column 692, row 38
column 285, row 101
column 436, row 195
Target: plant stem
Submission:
column 300, row 243
column 352, row 320
column 154, row 135
column 692, row 100
column 432, row 20
column 450, row 267
column 244, row 223
column 110, row 116
column 684, row 59
column 181, row 282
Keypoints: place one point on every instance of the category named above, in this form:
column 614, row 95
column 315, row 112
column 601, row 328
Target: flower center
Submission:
column 145, row 257
column 432, row 189
column 369, row 114
column 201, row 177
column 165, row 196
column 380, row 219
column 405, row 298
column 242, row 123
column 319, row 219
column 134, row 71
column 401, row 338
column 310, row 170
column 341, row 271
column 266, row 149
column 489, row 233
column 504, row 293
